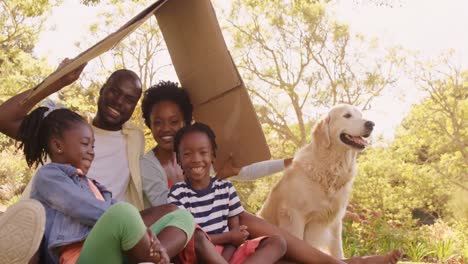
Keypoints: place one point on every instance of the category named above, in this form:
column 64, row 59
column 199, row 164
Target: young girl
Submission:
column 213, row 202
column 83, row 223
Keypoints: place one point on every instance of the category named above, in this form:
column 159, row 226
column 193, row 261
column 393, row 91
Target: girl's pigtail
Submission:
column 30, row 134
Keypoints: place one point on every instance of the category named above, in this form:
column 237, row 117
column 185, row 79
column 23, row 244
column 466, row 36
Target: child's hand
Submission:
column 238, row 236
column 243, row 229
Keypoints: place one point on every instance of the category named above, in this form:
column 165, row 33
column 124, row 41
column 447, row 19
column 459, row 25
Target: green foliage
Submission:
column 142, row 51
column 254, row 193
column 443, row 240
column 442, row 250
column 21, row 22
column 426, row 165
column 375, row 235
column 81, row 99
column 416, row 251
column 14, row 174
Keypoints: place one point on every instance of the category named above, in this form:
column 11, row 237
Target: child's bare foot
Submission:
column 389, row 258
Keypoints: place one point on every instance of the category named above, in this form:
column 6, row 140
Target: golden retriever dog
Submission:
column 310, row 199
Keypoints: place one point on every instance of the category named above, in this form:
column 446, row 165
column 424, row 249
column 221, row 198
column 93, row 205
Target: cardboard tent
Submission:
column 204, row 67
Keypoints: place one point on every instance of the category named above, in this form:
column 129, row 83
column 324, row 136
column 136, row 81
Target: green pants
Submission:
column 121, row 227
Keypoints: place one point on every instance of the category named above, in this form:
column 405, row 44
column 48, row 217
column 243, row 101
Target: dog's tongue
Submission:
column 359, row 140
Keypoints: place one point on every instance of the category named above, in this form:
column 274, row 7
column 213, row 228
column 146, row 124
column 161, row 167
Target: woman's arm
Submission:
column 154, row 182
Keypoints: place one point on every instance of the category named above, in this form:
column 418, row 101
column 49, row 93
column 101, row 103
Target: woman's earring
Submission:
column 59, row 151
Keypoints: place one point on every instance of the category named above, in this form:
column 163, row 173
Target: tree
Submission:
column 443, row 119
column 21, row 22
column 295, row 60
column 426, row 165
column 141, row 51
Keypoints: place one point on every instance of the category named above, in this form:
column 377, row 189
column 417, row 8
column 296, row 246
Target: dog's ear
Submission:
column 321, row 132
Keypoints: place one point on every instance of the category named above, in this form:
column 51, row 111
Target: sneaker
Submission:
column 21, row 230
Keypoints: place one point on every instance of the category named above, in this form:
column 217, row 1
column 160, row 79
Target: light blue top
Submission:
column 70, row 205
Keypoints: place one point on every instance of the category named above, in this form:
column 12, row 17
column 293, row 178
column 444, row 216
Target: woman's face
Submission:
column 165, row 119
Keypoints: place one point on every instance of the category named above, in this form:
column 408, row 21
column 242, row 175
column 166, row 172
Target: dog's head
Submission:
column 343, row 125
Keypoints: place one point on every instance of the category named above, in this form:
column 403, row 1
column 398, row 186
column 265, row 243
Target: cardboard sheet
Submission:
column 205, row 68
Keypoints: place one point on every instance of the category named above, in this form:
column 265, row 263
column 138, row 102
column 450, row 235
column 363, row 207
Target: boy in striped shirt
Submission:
column 214, row 203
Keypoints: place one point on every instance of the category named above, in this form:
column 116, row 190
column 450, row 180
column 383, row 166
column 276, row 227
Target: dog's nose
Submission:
column 369, row 125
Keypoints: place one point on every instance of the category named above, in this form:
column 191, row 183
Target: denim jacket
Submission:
column 70, row 205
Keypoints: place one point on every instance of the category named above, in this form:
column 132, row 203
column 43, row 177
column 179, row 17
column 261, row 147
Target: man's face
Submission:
column 117, row 102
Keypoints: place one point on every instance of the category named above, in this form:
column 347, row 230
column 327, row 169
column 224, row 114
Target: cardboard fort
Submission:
column 205, row 69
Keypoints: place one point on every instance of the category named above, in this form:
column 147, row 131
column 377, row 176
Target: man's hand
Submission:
column 228, row 169
column 71, row 76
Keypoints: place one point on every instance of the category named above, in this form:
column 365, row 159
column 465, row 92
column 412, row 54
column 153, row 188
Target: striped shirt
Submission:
column 211, row 207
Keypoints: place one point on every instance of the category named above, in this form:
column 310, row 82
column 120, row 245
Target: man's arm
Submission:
column 253, row 171
column 13, row 111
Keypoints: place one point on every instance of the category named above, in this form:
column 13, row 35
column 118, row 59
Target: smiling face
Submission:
column 348, row 127
column 196, row 157
column 165, row 120
column 117, row 101
column 74, row 147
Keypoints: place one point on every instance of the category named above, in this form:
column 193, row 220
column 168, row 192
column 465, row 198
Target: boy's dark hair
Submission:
column 166, row 91
column 36, row 130
column 195, row 127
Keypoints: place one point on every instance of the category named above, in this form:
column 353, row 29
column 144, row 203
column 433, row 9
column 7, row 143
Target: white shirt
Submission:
column 110, row 166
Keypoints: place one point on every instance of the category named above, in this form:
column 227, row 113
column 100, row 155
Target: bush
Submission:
column 14, row 174
column 416, row 250
column 372, row 234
